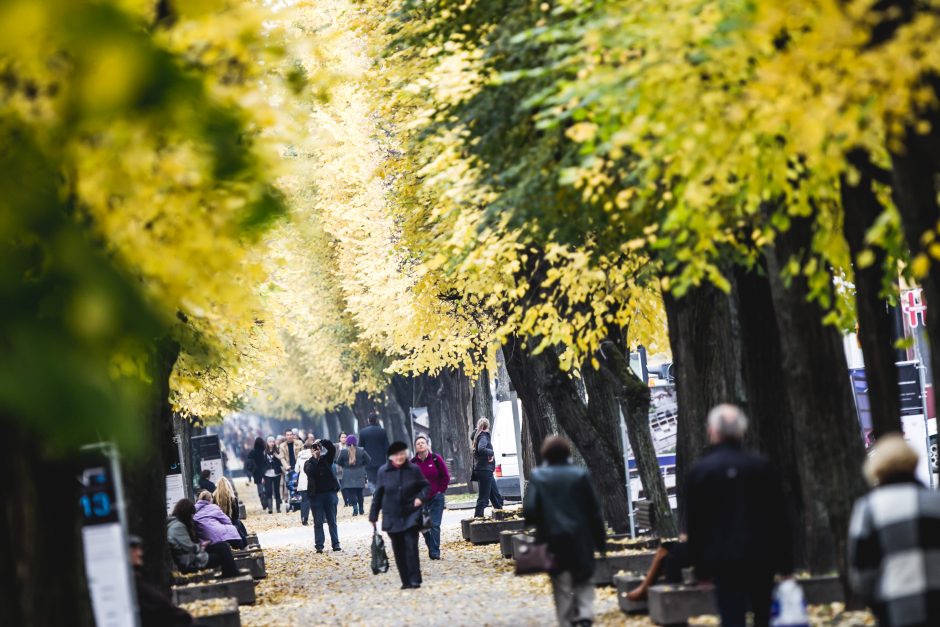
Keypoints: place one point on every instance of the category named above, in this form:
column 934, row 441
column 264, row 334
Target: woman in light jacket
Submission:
column 353, row 460
column 188, row 552
column 302, row 480
column 212, row 525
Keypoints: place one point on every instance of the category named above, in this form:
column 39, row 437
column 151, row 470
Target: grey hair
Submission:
column 728, row 421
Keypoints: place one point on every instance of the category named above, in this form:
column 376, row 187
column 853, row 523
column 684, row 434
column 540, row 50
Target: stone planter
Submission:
column 506, row 513
column 506, row 544
column 625, row 583
column 253, row 561
column 242, row 588
column 606, row 568
column 252, row 540
column 487, row 531
column 518, row 539
column 465, row 527
column 242, row 513
column 674, row 604
column 226, row 616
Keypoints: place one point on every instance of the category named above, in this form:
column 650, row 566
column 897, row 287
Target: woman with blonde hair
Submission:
column 484, row 468
column 226, row 498
column 894, row 544
column 353, row 460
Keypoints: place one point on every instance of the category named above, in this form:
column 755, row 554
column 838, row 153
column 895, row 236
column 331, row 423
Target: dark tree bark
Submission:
column 333, row 427
column 145, row 474
column 348, row 421
column 819, row 395
column 702, row 334
column 41, row 558
column 915, row 171
column 363, row 407
column 875, row 320
column 633, row 399
column 528, row 380
column 448, row 397
column 395, row 416
column 772, row 430
column 482, row 401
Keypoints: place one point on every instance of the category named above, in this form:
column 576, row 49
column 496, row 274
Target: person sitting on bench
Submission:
column 188, row 553
column 671, row 557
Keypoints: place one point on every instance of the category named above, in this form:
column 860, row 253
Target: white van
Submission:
column 504, row 441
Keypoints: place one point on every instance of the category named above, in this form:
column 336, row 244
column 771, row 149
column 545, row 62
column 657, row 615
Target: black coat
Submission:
column 259, row 464
column 374, row 439
column 737, row 515
column 320, row 477
column 484, row 455
column 395, row 492
column 561, row 503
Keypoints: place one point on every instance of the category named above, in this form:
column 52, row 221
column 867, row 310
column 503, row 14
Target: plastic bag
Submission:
column 379, row 556
column 789, row 606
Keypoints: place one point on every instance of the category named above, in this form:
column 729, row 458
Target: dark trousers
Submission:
column 354, row 497
column 272, row 489
column 220, row 556
column 488, row 492
column 304, row 506
column 324, row 511
column 738, row 591
column 405, row 548
column 260, row 485
column 432, row 536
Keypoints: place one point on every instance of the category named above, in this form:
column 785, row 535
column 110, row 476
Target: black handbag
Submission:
column 379, row 561
column 425, row 522
column 533, row 558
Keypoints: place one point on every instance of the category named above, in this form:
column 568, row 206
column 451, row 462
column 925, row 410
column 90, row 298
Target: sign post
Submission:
column 104, row 537
column 517, row 429
column 207, row 455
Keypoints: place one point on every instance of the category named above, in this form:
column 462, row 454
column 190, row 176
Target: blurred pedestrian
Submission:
column 435, row 471
column 256, row 466
column 205, row 482
column 353, row 460
column 561, row 503
column 484, row 469
column 288, row 450
column 375, row 441
column 339, row 468
column 305, row 454
column 154, row 607
column 894, row 539
column 273, row 469
column 400, row 491
column 738, row 532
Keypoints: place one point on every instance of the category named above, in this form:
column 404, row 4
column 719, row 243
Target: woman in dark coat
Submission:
column 484, row 467
column 258, row 464
column 400, row 492
column 561, row 503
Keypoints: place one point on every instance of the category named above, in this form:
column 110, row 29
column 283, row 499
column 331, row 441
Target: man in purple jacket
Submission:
column 435, row 471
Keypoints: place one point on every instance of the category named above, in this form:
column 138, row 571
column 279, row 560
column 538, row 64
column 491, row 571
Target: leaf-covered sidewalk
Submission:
column 469, row 586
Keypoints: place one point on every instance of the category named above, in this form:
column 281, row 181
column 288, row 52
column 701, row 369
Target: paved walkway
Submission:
column 469, row 586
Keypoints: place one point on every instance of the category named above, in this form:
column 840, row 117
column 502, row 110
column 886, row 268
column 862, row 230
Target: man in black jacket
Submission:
column 374, row 439
column 739, row 536
column 400, row 492
column 561, row 503
column 322, row 487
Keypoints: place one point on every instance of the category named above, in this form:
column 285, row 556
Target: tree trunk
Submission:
column 633, row 397
column 482, row 401
column 145, row 475
column 703, row 337
column 348, row 421
column 395, row 416
column 41, row 558
column 529, row 380
column 771, row 426
column 915, row 193
column 363, row 408
column 819, row 396
column 875, row 321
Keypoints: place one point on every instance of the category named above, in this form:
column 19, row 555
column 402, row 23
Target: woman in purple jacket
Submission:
column 212, row 525
column 435, row 471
